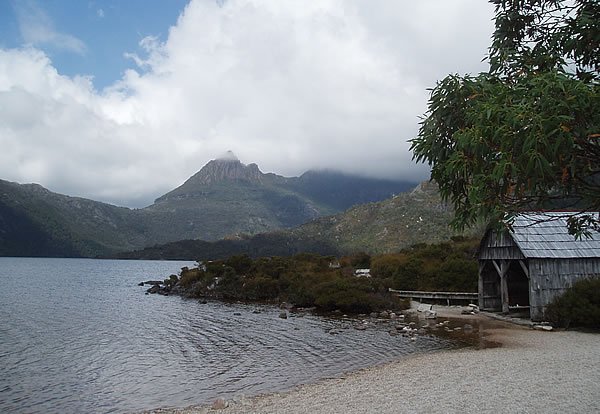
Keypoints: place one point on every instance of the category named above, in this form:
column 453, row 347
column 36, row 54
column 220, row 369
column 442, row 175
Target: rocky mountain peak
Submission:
column 226, row 169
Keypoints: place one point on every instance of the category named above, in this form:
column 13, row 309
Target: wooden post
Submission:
column 502, row 272
column 480, row 285
column 504, row 288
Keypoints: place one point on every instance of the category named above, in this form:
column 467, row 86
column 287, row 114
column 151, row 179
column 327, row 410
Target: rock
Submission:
column 202, row 302
column 384, row 314
column 219, row 404
column 285, row 305
column 373, row 314
column 237, row 314
column 546, row 328
column 360, row 327
column 468, row 327
column 430, row 314
column 256, row 311
column 393, row 316
column 393, row 332
column 283, row 315
column 474, row 308
column 141, row 284
column 424, row 307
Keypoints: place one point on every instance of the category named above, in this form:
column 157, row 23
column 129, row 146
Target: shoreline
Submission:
column 531, row 371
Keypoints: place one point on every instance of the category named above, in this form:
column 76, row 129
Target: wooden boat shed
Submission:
column 537, row 261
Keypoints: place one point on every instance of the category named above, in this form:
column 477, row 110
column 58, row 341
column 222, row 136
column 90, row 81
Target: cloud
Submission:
column 100, row 13
column 288, row 85
column 37, row 29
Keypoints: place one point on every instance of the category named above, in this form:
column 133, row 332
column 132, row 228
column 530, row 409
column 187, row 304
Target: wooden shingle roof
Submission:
column 545, row 235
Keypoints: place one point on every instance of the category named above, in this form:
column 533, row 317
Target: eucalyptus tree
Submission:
column 525, row 135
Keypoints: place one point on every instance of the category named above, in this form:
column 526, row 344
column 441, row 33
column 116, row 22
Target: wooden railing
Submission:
column 448, row 296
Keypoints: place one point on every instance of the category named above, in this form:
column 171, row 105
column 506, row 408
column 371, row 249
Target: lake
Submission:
column 80, row 335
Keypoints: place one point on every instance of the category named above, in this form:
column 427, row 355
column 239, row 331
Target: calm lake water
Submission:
column 79, row 335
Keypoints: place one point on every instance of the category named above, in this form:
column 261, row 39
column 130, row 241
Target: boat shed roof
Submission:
column 545, row 235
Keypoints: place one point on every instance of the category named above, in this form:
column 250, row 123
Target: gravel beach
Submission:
column 531, row 372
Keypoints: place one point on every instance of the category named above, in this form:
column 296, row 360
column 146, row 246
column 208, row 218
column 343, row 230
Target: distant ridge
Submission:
column 225, row 197
column 413, row 217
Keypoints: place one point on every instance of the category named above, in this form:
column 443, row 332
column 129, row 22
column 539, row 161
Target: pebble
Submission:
column 219, row 404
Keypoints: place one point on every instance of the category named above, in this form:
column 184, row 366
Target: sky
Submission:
column 122, row 101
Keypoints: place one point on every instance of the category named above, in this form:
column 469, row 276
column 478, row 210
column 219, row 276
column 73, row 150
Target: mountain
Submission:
column 417, row 216
column 38, row 222
column 225, row 197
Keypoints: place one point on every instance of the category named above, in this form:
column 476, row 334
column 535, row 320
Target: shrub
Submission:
column 578, row 306
column 261, row 288
column 408, row 274
column 241, row 263
column 360, row 260
column 190, row 276
column 385, row 266
column 458, row 275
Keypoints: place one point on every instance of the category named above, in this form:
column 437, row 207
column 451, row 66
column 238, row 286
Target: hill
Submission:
column 410, row 218
column 224, row 197
column 38, row 222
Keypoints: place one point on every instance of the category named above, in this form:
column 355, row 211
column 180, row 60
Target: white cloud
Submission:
column 288, row 85
column 38, row 29
column 100, row 13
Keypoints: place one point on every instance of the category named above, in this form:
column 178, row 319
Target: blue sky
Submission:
column 122, row 101
column 87, row 37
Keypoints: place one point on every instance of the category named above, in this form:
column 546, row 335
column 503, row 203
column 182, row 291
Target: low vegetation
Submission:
column 578, row 306
column 328, row 283
column 447, row 266
column 305, row 280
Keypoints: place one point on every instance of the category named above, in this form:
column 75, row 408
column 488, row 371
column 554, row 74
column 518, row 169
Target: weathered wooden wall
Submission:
column 549, row 278
column 489, row 287
column 499, row 247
